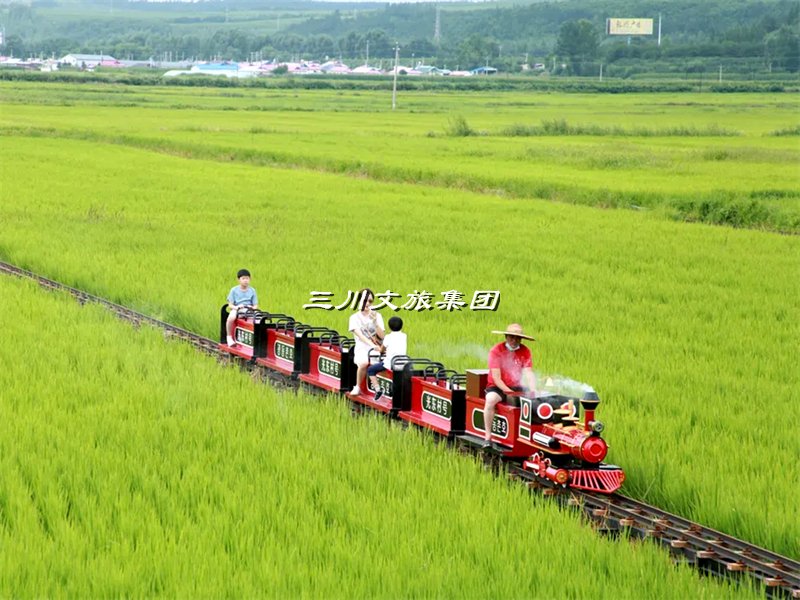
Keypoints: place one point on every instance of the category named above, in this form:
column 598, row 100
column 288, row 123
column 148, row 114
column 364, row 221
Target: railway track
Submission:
column 201, row 343
column 708, row 550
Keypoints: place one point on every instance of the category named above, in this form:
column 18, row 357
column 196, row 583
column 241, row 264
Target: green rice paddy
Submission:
column 131, row 466
column 709, row 157
column 688, row 331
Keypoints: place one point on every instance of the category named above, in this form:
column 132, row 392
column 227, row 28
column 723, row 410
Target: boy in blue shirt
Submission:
column 240, row 296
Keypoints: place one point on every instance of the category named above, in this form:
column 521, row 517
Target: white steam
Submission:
column 562, row 385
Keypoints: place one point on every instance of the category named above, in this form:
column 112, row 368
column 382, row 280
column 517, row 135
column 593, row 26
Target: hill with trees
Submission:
column 746, row 37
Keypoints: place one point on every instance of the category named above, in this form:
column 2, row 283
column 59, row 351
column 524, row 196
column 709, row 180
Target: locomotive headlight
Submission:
column 597, row 426
column 594, row 449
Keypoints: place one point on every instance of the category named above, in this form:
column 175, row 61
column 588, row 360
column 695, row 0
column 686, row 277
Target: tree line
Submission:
column 566, row 37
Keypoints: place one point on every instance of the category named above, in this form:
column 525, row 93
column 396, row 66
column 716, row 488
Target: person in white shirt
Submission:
column 367, row 327
column 394, row 344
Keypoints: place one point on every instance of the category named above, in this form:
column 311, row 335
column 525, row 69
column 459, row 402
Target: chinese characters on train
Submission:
column 330, row 367
column 385, row 385
column 437, row 405
column 244, row 337
column 451, row 300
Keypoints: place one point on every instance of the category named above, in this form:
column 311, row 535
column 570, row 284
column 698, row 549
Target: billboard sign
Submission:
column 629, row 26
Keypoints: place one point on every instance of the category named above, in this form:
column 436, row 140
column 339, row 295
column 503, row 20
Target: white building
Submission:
column 85, row 60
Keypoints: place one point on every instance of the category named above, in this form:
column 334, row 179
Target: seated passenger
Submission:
column 394, row 344
column 367, row 328
column 240, row 296
column 510, row 366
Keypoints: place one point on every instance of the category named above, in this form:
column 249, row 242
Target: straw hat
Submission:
column 515, row 329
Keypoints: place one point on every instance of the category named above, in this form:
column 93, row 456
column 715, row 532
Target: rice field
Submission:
column 131, row 466
column 688, row 331
column 708, row 157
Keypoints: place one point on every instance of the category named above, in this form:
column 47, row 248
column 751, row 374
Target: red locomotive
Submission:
column 544, row 434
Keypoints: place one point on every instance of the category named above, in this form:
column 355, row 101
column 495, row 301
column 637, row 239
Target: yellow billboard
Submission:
column 629, row 26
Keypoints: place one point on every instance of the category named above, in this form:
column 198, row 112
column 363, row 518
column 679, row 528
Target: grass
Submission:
column 593, row 150
column 686, row 331
column 556, row 127
column 132, row 466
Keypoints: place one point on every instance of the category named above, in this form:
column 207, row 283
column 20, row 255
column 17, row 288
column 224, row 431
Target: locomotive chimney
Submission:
column 589, row 403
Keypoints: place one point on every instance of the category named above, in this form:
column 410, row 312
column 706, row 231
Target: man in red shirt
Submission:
column 510, row 370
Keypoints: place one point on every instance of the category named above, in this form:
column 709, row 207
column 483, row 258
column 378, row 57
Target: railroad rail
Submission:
column 202, row 343
column 708, row 550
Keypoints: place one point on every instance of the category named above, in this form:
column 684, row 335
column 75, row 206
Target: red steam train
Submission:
column 544, row 434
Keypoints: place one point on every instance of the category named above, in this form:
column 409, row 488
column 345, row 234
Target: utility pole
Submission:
column 394, row 86
column 367, row 63
column 437, row 31
column 720, row 73
column 659, row 29
column 601, row 71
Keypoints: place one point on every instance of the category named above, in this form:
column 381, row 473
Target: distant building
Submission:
column 89, row 61
column 484, row 71
column 334, row 66
column 366, row 70
column 431, row 70
column 231, row 70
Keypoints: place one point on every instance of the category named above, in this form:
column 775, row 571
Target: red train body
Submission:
column 544, row 433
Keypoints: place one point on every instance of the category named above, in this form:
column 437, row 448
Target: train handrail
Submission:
column 399, row 361
column 285, row 324
column 458, row 381
column 454, row 379
column 273, row 316
column 433, row 370
column 329, row 339
column 247, row 313
column 408, row 367
column 303, row 331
